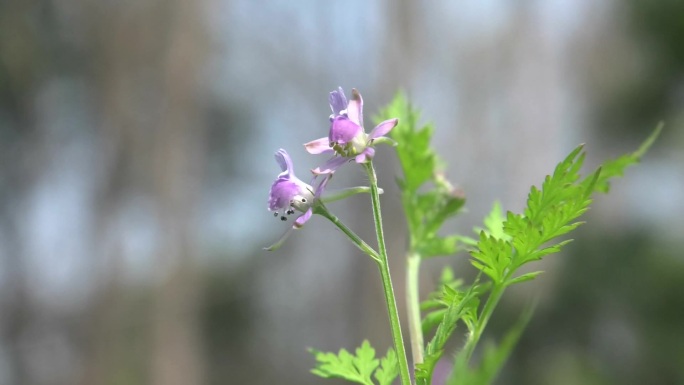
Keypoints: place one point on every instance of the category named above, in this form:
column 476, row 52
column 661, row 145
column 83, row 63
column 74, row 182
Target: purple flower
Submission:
column 290, row 195
column 347, row 138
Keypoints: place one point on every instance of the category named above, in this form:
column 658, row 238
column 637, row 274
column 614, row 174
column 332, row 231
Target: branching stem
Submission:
column 322, row 210
column 386, row 279
column 483, row 319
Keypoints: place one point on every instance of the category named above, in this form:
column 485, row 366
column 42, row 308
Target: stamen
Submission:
column 275, row 214
column 283, row 218
column 303, row 200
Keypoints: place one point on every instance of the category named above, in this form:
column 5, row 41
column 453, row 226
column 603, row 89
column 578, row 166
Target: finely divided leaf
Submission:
column 494, row 222
column 492, row 257
column 428, row 198
column 616, row 167
column 358, row 368
column 552, row 211
column 418, row 160
column 389, row 368
column 524, row 277
column 493, row 359
column 438, row 245
column 461, row 306
column 436, row 305
column 365, row 360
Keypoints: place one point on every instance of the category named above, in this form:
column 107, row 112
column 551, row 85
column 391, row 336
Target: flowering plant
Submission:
column 347, row 138
column 499, row 250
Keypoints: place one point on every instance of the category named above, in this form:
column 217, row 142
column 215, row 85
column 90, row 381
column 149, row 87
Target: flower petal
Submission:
column 338, row 101
column 366, row 155
column 343, row 130
column 299, row 222
column 282, row 191
column 355, row 108
column 321, row 186
column 383, row 128
column 285, row 162
column 318, row 146
column 330, row 166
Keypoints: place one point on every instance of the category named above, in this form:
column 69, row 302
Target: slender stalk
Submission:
column 485, row 315
column 346, row 192
column 383, row 265
column 413, row 307
column 321, row 210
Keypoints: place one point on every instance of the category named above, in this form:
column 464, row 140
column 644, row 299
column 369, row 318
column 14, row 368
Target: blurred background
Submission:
column 136, row 147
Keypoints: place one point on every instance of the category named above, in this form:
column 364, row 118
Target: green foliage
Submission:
column 493, row 359
column 494, row 222
column 616, row 167
column 438, row 303
column 427, row 196
column 389, row 368
column 357, row 368
column 456, row 305
column 492, row 257
column 417, row 159
column 505, row 243
column 552, row 211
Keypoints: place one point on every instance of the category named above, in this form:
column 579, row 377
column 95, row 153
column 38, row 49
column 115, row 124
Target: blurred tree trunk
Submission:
column 20, row 165
column 176, row 168
column 148, row 59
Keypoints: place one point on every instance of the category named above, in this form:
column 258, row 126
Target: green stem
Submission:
column 413, row 307
column 487, row 310
column 383, row 265
column 345, row 193
column 323, row 211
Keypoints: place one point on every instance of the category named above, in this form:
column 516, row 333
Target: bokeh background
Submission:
column 136, row 153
